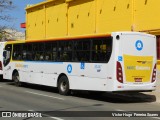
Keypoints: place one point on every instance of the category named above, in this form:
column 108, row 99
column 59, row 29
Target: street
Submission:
column 35, row 98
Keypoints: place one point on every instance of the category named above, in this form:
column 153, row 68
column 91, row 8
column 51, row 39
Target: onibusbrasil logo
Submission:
column 139, row 45
column 69, row 68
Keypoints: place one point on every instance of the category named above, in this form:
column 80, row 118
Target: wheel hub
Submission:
column 63, row 86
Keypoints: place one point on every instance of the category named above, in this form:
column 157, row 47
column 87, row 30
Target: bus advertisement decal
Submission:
column 18, row 65
column 138, row 71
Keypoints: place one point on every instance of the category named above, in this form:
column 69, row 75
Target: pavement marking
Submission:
column 56, row 118
column 44, row 95
column 120, row 110
column 156, row 117
column 31, row 110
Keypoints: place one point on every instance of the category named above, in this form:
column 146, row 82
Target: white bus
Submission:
column 2, row 44
column 121, row 61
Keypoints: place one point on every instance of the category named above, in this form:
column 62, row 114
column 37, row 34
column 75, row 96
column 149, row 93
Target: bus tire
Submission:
column 63, row 86
column 16, row 78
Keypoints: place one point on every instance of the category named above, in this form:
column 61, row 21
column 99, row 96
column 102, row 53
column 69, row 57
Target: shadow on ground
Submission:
column 105, row 97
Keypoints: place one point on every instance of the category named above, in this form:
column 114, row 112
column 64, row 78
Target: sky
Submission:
column 18, row 13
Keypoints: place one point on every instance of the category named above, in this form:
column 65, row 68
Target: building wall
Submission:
column 81, row 17
column 113, row 15
column 59, row 18
column 35, row 28
column 146, row 17
column 56, row 19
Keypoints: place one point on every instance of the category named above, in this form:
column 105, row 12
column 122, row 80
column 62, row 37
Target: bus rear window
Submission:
column 101, row 49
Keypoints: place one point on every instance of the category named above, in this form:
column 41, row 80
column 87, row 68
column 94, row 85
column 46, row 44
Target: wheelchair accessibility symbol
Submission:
column 69, row 68
column 82, row 65
column 139, row 45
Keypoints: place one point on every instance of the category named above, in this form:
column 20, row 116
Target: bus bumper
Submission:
column 138, row 88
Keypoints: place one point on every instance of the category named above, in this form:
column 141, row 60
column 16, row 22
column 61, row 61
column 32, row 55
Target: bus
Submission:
column 116, row 62
column 2, row 44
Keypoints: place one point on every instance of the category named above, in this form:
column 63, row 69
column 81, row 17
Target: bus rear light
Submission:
column 119, row 72
column 0, row 65
column 154, row 74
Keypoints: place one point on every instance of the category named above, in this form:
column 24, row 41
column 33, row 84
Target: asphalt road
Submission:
column 47, row 102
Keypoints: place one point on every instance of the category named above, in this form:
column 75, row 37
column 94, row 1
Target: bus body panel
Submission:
column 32, row 72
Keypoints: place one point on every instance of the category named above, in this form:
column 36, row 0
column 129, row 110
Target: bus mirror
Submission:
column 4, row 53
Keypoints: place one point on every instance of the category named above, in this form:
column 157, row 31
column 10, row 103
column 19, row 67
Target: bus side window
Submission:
column 37, row 57
column 29, row 52
column 33, row 56
column 48, row 51
column 24, row 55
column 60, row 52
column 41, row 57
column 35, row 51
column 24, row 51
column 67, row 54
column 19, row 57
column 82, row 50
column 101, row 49
column 54, row 56
column 15, row 55
column 17, row 50
column 47, row 58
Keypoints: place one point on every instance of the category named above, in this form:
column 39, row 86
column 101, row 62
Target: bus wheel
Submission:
column 63, row 86
column 15, row 78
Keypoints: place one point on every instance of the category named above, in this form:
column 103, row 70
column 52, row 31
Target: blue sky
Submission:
column 18, row 14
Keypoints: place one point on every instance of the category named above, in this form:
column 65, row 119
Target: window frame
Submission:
column 74, row 52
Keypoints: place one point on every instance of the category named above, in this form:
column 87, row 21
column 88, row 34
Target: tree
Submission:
column 5, row 6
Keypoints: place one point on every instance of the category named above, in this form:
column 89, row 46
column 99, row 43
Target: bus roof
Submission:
column 61, row 38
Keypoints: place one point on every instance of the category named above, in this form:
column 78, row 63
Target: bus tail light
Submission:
column 119, row 72
column 0, row 65
column 154, row 74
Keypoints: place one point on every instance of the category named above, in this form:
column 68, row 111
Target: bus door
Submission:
column 1, row 57
column 6, row 61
